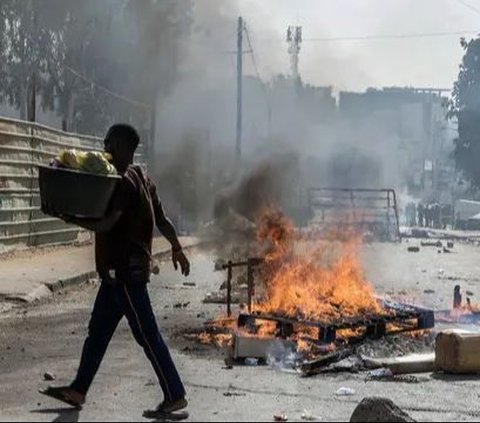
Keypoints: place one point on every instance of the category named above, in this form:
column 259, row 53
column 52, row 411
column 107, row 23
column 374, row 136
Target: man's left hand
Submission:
column 179, row 257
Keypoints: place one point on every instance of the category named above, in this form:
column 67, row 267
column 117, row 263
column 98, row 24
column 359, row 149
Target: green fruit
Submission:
column 91, row 162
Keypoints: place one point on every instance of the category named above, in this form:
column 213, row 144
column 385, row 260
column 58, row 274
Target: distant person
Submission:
column 437, row 216
column 428, row 216
column 123, row 248
column 457, row 297
column 411, row 215
column 445, row 215
column 421, row 215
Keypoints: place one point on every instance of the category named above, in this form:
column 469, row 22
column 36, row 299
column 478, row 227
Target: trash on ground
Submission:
column 345, row 392
column 309, row 416
column 49, row 377
column 251, row 362
column 379, row 374
column 414, row 363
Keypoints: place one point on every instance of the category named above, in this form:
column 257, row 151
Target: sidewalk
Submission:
column 32, row 276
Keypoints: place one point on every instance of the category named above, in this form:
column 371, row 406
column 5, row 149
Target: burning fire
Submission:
column 305, row 277
column 311, row 280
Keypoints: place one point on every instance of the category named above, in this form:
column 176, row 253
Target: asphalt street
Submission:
column 48, row 338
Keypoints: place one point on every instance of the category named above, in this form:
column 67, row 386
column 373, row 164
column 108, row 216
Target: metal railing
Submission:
column 24, row 146
column 375, row 209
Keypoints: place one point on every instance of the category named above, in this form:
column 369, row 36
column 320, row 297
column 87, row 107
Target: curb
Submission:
column 46, row 290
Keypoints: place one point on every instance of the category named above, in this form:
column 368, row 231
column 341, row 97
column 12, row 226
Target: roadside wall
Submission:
column 24, row 146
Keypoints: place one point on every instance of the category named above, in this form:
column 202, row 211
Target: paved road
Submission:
column 49, row 337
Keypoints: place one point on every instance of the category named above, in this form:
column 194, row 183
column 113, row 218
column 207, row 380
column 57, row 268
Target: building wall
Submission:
column 418, row 135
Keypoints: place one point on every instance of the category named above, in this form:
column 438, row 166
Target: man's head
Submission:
column 121, row 142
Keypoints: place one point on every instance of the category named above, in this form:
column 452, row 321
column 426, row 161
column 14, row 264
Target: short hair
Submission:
column 124, row 133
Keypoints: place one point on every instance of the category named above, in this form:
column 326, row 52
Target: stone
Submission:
column 49, row 377
column 375, row 409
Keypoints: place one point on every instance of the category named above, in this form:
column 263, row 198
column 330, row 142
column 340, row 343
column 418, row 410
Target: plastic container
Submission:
column 74, row 193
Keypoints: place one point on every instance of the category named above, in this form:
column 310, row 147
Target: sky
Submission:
column 354, row 64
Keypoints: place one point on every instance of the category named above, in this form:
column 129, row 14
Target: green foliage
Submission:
column 129, row 47
column 465, row 108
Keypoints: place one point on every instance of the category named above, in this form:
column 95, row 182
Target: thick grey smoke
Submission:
column 195, row 146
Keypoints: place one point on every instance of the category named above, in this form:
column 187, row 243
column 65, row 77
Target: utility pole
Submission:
column 294, row 41
column 238, row 157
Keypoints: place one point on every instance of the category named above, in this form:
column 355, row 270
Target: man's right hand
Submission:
column 179, row 257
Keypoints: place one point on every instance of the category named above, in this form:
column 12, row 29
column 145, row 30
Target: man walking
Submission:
column 123, row 248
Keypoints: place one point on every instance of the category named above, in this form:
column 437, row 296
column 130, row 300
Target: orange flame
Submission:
column 320, row 280
column 306, row 276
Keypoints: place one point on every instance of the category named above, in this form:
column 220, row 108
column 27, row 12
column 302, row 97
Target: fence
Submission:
column 23, row 146
column 372, row 209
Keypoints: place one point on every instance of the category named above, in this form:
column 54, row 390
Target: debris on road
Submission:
column 181, row 305
column 280, row 418
column 437, row 244
column 429, row 291
column 345, row 392
column 458, row 352
column 379, row 410
column 191, row 284
column 413, row 249
column 259, row 348
column 49, row 377
column 380, row 374
column 314, row 367
column 309, row 416
column 221, row 298
column 233, row 394
column 414, row 363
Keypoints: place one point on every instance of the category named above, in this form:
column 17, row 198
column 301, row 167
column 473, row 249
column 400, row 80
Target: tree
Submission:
column 128, row 47
column 77, row 55
column 30, row 53
column 465, row 108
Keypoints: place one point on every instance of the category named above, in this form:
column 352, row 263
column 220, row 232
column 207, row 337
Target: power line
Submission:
column 392, row 36
column 254, row 61
column 106, row 90
column 374, row 37
column 252, row 54
column 469, row 6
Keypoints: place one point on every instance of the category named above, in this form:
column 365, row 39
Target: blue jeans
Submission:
column 114, row 301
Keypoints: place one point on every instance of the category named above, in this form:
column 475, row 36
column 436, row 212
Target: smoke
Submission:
column 237, row 207
column 268, row 183
column 295, row 136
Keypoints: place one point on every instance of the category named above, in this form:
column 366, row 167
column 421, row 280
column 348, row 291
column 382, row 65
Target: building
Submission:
column 419, row 136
